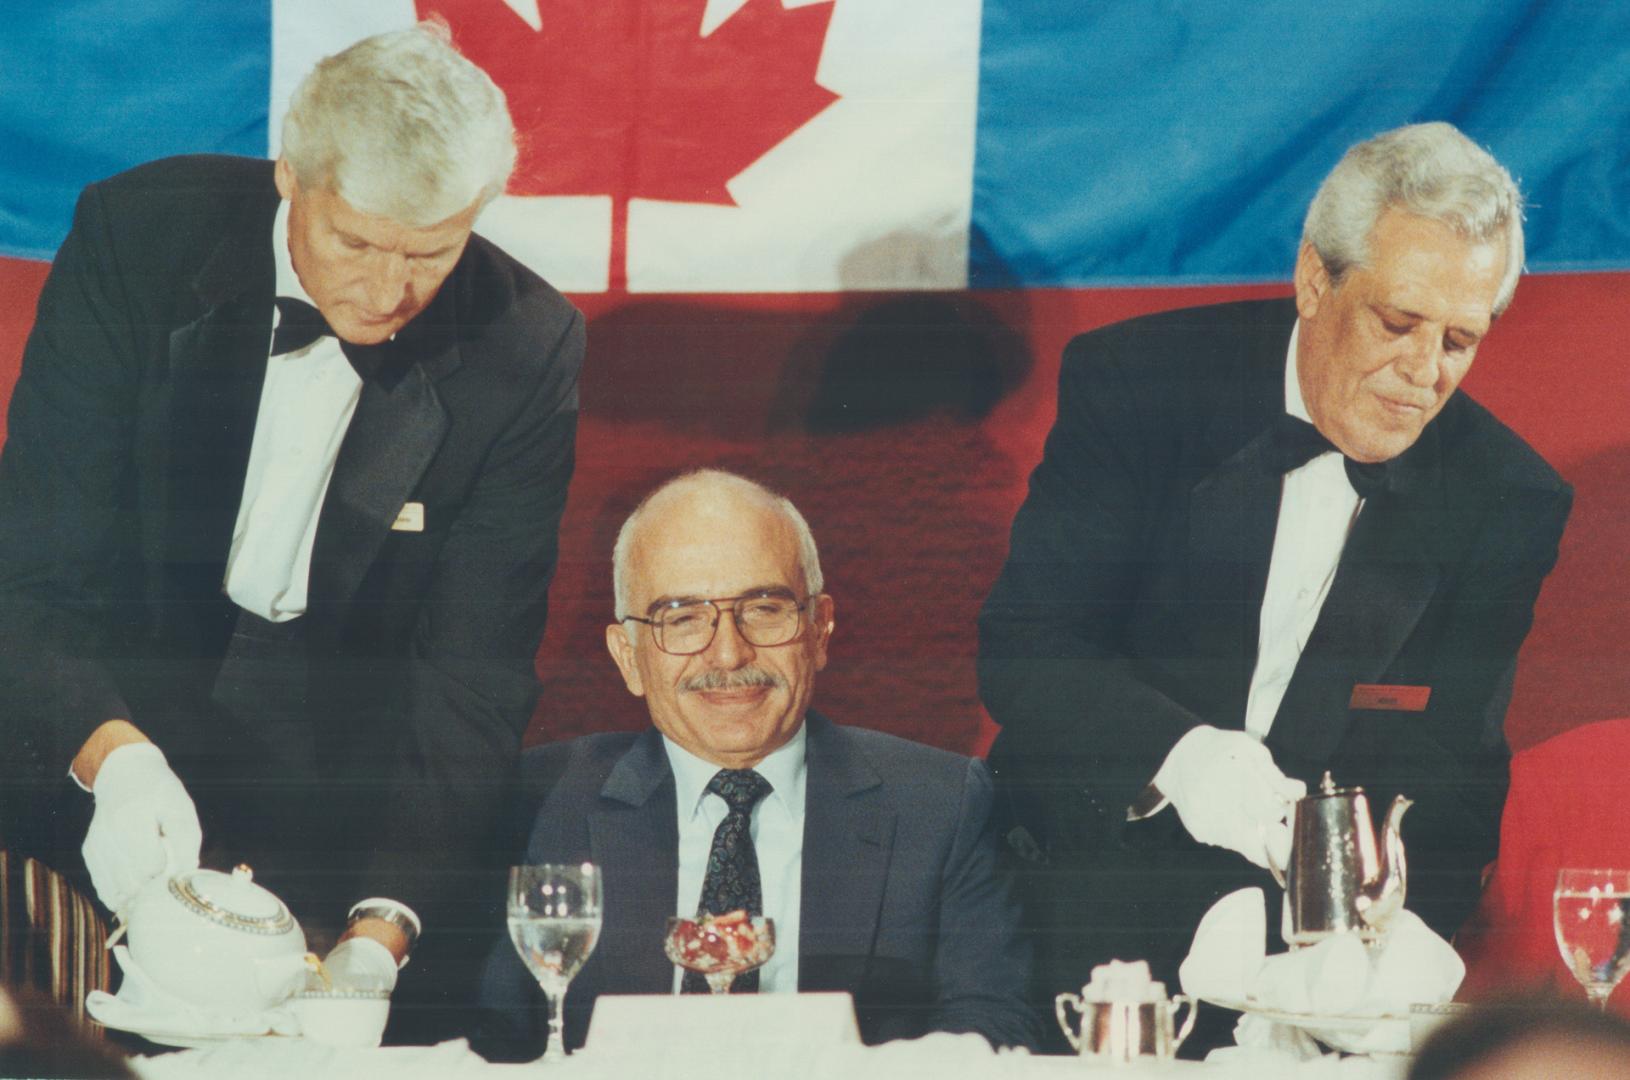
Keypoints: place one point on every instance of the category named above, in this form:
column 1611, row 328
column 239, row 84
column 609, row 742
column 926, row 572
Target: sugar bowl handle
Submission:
column 1177, row 1002
column 1060, row 1010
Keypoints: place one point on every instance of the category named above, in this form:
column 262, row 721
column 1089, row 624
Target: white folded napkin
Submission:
column 1413, row 965
column 1228, row 949
column 143, row 1007
column 1339, row 977
column 1328, row 979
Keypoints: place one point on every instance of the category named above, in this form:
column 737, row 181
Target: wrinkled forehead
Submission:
column 383, row 230
column 709, row 547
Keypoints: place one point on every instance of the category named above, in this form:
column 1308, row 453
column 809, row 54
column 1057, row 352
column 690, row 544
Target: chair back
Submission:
column 51, row 936
column 1569, row 806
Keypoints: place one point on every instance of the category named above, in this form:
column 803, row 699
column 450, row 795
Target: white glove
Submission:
column 144, row 824
column 361, row 963
column 1230, row 794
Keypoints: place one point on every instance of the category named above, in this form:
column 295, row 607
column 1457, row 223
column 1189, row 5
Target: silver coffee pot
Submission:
column 1338, row 882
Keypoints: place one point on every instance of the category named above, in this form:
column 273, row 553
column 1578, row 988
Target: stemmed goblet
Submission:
column 1592, row 919
column 554, row 921
column 720, row 947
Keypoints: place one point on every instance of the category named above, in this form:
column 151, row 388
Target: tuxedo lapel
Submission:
column 217, row 365
column 1232, row 515
column 393, row 436
column 848, row 839
column 1387, row 577
column 634, row 839
column 1233, row 510
column 398, row 426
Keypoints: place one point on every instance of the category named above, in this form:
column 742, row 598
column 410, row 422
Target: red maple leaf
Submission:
column 626, row 97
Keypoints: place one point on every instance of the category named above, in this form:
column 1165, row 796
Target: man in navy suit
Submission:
column 279, row 502
column 874, row 856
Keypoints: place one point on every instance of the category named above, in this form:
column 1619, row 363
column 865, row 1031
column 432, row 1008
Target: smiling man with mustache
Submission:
column 1266, row 540
column 875, row 857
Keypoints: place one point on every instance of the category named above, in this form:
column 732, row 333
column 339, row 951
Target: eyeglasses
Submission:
column 765, row 618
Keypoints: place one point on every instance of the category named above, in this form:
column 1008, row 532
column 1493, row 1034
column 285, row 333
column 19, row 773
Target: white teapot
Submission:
column 218, row 941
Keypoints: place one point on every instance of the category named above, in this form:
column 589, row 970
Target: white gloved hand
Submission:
column 360, row 963
column 144, row 824
column 1230, row 794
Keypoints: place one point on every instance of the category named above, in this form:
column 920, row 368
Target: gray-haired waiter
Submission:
column 1267, row 540
column 279, row 502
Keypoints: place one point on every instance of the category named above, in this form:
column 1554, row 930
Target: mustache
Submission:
column 741, row 679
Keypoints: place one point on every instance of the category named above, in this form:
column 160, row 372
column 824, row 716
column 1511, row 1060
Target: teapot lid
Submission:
column 232, row 900
column 1327, row 787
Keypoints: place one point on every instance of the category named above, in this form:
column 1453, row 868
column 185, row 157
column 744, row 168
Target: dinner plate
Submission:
column 1332, row 1021
column 1386, row 1033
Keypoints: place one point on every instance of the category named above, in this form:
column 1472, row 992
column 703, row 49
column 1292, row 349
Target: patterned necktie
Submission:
column 732, row 881
column 1297, row 442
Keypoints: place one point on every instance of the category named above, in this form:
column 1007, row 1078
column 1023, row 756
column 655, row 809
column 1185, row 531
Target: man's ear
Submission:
column 821, row 624
column 622, row 651
column 283, row 174
column 1312, row 280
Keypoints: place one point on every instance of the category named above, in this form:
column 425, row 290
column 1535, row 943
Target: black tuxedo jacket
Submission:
column 130, row 429
column 1127, row 612
column 902, row 902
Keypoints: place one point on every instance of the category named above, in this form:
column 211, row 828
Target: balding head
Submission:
column 723, row 490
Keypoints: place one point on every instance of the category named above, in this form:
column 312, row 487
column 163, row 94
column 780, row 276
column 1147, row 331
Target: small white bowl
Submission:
column 342, row 1018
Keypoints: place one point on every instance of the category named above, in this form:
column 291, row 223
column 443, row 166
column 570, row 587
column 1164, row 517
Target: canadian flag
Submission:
column 711, row 145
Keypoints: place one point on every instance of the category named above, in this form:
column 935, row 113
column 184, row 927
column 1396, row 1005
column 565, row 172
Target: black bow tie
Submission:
column 1297, row 442
column 301, row 324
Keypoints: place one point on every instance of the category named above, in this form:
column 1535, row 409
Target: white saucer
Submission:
column 196, row 1042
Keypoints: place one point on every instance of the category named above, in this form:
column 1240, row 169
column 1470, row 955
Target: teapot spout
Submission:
column 1386, row 893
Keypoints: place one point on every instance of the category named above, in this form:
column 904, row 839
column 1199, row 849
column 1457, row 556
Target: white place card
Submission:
column 669, row 1023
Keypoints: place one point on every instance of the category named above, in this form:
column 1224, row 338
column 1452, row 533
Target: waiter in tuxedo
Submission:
column 279, row 504
column 1267, row 540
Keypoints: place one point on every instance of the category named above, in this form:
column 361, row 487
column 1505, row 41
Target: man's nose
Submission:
column 728, row 649
column 1422, row 358
column 389, row 284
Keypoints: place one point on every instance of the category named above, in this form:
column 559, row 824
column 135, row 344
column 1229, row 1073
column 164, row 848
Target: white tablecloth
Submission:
column 942, row 1057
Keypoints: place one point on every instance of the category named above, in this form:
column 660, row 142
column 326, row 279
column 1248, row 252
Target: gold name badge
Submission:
column 410, row 518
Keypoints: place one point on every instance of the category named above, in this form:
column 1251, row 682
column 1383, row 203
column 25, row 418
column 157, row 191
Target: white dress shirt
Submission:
column 1316, row 512
column 305, row 408
column 1317, row 509
column 778, row 836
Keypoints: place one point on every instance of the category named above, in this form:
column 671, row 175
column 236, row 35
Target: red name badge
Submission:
column 1395, row 698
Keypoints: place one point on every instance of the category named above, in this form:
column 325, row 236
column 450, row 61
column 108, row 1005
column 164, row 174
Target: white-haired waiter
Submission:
column 280, row 497
column 1267, row 540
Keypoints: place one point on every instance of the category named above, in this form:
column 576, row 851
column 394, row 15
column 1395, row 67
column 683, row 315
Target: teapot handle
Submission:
column 1062, row 1012
column 1276, row 870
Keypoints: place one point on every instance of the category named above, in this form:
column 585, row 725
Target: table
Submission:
column 938, row 1057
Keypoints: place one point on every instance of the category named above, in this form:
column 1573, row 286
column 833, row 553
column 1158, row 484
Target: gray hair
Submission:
column 1427, row 169
column 809, row 560
column 400, row 125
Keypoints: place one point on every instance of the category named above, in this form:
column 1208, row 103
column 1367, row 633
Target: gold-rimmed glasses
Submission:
column 686, row 626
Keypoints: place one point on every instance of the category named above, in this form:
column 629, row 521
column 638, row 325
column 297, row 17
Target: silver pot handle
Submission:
column 1277, row 871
